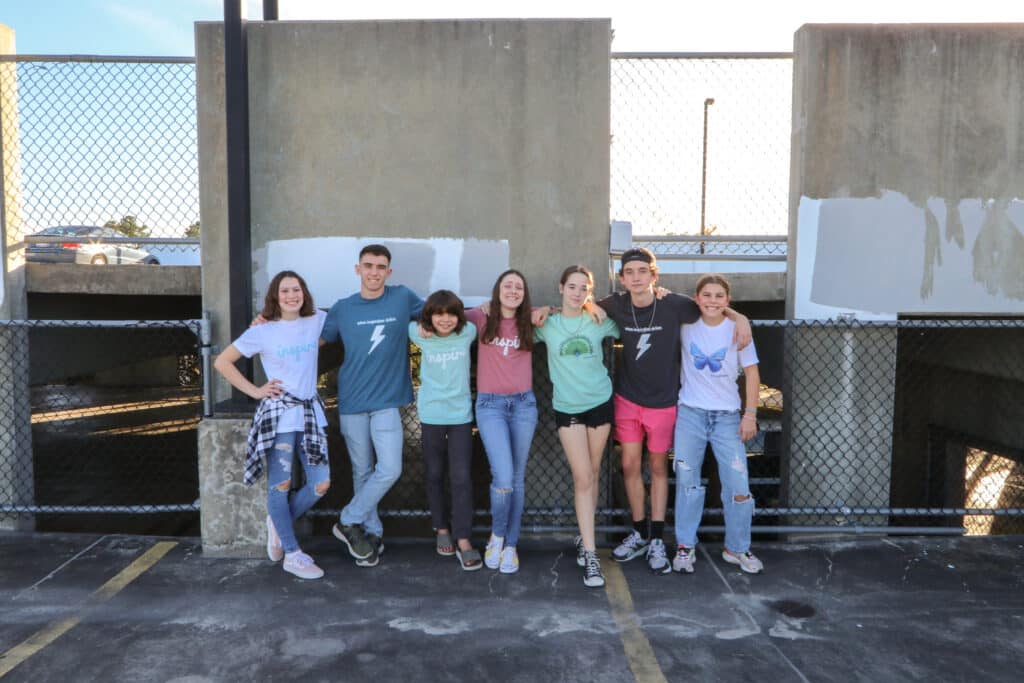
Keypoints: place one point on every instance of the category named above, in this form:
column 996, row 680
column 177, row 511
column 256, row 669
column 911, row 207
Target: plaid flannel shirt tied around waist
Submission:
column 263, row 432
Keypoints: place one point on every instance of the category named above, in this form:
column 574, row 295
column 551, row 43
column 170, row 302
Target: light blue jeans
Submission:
column 695, row 429
column 377, row 432
column 506, row 423
column 285, row 509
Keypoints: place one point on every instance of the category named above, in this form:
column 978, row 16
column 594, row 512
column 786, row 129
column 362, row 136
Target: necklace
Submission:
column 632, row 309
column 576, row 332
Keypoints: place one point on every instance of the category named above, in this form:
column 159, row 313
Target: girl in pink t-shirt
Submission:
column 506, row 409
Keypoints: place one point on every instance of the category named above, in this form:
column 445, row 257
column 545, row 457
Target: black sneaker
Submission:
column 353, row 536
column 377, row 542
column 372, row 560
column 592, row 576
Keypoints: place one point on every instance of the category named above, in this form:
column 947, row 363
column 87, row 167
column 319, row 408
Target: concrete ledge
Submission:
column 232, row 515
column 72, row 278
column 745, row 286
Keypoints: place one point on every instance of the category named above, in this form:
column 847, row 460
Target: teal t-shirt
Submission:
column 444, row 397
column 575, row 361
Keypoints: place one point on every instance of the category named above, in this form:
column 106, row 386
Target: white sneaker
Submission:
column 632, row 546
column 684, row 559
column 747, row 561
column 301, row 565
column 509, row 560
column 492, row 553
column 275, row 551
column 657, row 559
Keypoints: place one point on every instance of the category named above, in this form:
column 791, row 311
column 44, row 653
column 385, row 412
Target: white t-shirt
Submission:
column 288, row 351
column 710, row 366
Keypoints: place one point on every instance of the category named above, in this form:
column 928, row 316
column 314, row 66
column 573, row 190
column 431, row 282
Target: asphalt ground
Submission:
column 138, row 608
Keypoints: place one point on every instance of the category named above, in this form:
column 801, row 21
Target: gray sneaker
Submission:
column 684, row 559
column 376, row 541
column 632, row 546
column 353, row 536
column 371, row 560
column 657, row 560
column 747, row 561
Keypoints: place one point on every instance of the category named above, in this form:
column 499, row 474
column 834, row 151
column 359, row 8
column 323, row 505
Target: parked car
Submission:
column 85, row 244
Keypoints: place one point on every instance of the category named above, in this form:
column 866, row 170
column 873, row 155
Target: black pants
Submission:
column 449, row 449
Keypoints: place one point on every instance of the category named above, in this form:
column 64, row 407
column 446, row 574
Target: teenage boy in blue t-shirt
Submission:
column 373, row 383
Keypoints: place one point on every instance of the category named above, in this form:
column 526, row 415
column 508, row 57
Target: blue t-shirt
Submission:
column 444, row 397
column 375, row 372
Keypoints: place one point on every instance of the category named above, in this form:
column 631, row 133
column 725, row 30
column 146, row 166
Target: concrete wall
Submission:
column 908, row 158
column 468, row 130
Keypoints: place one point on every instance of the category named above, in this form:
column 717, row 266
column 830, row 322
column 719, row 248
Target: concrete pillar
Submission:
column 16, row 474
column 232, row 515
column 837, row 442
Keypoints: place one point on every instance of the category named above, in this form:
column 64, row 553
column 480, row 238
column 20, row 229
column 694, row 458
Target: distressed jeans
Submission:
column 282, row 508
column 378, row 432
column 695, row 429
column 506, row 423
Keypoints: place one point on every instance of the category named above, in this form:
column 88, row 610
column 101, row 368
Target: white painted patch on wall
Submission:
column 879, row 257
column 468, row 267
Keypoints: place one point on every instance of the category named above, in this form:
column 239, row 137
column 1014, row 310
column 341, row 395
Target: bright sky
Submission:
column 164, row 27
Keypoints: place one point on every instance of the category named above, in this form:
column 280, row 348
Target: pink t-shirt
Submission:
column 502, row 368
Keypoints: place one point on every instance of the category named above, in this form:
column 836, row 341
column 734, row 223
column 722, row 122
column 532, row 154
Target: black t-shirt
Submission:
column 649, row 372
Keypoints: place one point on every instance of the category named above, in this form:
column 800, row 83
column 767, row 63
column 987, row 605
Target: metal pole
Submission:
column 236, row 107
column 269, row 10
column 704, row 170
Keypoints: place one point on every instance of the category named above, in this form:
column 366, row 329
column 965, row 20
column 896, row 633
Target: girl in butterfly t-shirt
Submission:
column 710, row 412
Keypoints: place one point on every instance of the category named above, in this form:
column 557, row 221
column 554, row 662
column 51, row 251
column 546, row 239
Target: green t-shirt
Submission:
column 444, row 398
column 576, row 361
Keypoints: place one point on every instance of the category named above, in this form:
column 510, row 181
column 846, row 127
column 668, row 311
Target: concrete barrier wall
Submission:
column 467, row 130
column 907, row 165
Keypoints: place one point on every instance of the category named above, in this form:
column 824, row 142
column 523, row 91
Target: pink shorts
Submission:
column 633, row 421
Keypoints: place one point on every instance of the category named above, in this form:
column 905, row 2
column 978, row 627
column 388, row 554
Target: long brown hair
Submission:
column 272, row 307
column 524, row 325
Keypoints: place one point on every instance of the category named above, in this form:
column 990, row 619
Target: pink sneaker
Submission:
column 301, row 565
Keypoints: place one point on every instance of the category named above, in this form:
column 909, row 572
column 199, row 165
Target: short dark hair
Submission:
column 443, row 301
column 639, row 254
column 272, row 307
column 376, row 250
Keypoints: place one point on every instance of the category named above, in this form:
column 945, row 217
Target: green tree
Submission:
column 130, row 226
column 192, row 230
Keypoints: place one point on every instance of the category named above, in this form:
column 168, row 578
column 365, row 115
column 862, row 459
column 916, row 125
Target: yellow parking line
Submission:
column 638, row 649
column 40, row 639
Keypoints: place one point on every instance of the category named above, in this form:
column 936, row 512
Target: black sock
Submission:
column 657, row 529
column 641, row 527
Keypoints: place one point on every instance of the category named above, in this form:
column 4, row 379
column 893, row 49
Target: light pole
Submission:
column 704, row 170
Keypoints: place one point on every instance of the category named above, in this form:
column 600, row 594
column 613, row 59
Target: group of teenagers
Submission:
column 676, row 385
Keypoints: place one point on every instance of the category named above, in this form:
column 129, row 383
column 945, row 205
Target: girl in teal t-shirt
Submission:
column 446, row 420
column 582, row 401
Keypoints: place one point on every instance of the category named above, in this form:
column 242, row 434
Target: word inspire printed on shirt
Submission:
column 445, row 356
column 295, row 350
column 505, row 343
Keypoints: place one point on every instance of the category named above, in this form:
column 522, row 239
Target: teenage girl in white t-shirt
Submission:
column 290, row 418
column 710, row 412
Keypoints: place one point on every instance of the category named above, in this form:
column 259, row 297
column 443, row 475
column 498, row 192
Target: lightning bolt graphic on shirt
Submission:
column 642, row 345
column 377, row 337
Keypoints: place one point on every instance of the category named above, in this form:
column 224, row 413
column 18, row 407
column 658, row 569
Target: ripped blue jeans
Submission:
column 282, row 507
column 695, row 429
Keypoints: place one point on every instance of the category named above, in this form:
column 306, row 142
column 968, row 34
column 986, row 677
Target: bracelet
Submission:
column 751, row 411
column 750, row 416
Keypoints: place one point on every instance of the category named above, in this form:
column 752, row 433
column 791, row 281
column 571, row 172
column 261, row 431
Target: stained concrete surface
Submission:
column 891, row 609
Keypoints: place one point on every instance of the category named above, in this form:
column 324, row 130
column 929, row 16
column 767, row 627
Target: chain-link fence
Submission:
column 701, row 141
column 95, row 141
column 100, row 418
column 910, row 426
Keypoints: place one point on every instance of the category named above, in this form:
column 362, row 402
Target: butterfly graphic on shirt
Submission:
column 712, row 362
